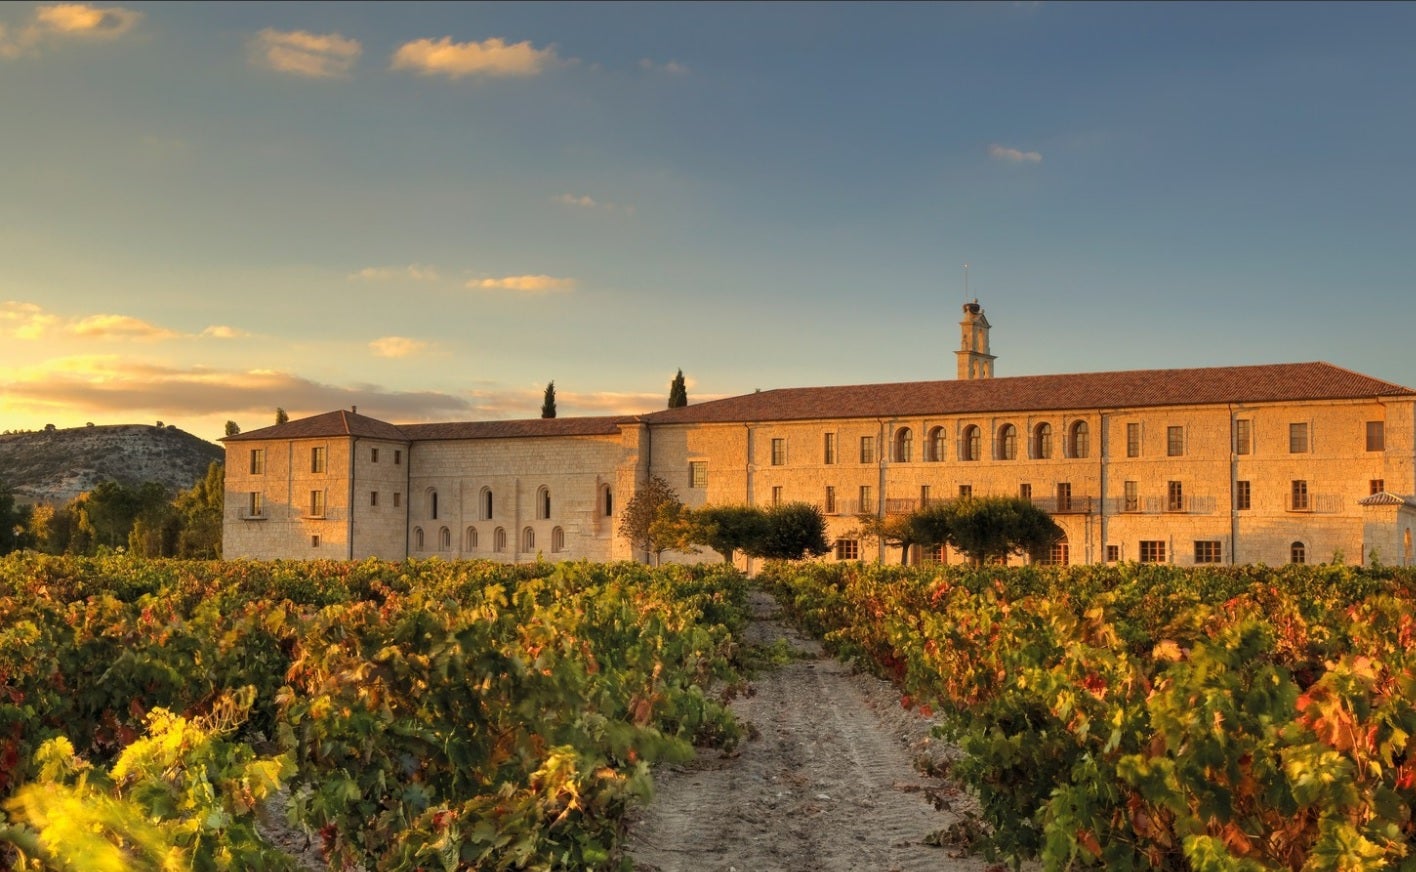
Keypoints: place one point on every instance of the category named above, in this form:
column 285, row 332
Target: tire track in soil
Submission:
column 825, row 784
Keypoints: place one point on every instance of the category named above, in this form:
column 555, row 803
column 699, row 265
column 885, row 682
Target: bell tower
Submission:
column 974, row 359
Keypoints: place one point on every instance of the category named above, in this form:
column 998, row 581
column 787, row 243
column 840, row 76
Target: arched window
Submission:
column 904, row 445
column 557, row 539
column 1077, row 440
column 417, row 538
column 471, row 539
column 444, row 539
column 433, row 503
column 528, row 539
column 499, row 540
column 484, row 504
column 607, row 501
column 1042, row 441
column 969, row 444
column 543, row 502
column 1297, row 553
column 934, row 449
column 1007, row 442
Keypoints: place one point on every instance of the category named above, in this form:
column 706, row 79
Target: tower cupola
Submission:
column 974, row 359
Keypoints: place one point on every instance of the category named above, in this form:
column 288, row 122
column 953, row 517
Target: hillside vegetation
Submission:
column 55, row 466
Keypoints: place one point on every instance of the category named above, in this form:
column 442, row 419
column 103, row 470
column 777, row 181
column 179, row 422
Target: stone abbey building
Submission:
column 1297, row 462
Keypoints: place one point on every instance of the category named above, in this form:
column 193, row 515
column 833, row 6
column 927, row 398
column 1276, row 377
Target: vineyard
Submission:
column 1149, row 717
column 422, row 715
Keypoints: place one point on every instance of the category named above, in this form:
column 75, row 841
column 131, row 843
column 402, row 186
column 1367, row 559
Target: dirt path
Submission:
column 827, row 783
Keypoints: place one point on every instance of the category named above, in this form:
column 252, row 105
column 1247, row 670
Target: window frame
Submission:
column 319, row 460
column 828, row 449
column 778, row 451
column 1376, row 435
column 904, row 445
column 1175, row 440
column 971, row 444
column 847, row 549
column 1079, row 440
column 258, row 461
column 1243, row 495
column 1133, row 438
column 1007, row 444
column 1209, row 551
column 1300, row 499
column 1174, row 496
column 1243, row 436
column 698, row 474
column 1299, row 438
column 1042, row 441
column 867, row 449
column 1152, row 551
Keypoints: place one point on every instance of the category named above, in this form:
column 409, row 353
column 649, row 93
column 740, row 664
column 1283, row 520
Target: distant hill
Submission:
column 54, row 466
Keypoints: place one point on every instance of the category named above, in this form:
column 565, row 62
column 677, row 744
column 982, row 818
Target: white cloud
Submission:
column 528, row 284
column 491, row 57
column 397, row 346
column 583, row 201
column 673, row 68
column 1013, row 155
column 67, row 21
column 416, row 272
column 118, row 327
column 317, row 55
column 221, row 331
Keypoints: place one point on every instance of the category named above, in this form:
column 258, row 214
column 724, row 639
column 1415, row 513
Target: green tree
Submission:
column 642, row 522
column 548, row 405
column 929, row 526
column 727, row 529
column 232, row 429
column 793, row 531
column 14, row 521
column 281, row 417
column 198, row 513
column 895, row 530
column 678, row 393
column 991, row 528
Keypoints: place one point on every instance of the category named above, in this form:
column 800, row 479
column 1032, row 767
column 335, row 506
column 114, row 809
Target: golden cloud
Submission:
column 119, row 327
column 317, row 55
column 65, row 21
column 537, row 284
column 414, row 271
column 397, row 346
column 492, row 57
column 24, row 320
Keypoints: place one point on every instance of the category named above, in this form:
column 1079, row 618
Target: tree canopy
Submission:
column 647, row 520
column 548, row 405
column 991, row 528
column 281, row 417
column 678, row 393
column 727, row 529
column 793, row 531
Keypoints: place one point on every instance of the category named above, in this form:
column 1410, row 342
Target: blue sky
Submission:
column 432, row 210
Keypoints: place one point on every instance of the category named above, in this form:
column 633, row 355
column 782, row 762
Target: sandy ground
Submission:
column 828, row 781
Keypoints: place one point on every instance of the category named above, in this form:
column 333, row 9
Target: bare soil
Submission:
column 834, row 777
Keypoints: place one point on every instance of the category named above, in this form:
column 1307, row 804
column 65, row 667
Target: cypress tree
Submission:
column 548, row 406
column 678, row 394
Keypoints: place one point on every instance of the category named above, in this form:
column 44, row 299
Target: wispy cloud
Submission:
column 117, row 384
column 673, row 68
column 397, row 346
column 416, row 272
column 64, row 21
column 583, row 201
column 119, row 327
column 317, row 55
column 491, row 57
column 221, row 331
column 1013, row 155
column 526, row 284
column 29, row 321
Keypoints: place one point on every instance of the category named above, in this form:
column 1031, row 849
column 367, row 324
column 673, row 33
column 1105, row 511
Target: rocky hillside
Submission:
column 54, row 466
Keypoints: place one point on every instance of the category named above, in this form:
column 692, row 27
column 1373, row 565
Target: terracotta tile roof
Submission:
column 1386, row 499
column 340, row 423
column 1100, row 390
column 602, row 426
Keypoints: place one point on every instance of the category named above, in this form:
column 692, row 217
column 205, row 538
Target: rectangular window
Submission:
column 1175, row 497
column 317, row 459
column 830, row 507
column 257, row 461
column 965, row 491
column 317, row 504
column 397, row 499
column 1175, row 441
column 698, row 473
column 397, row 457
column 373, row 455
column 1057, row 554
column 779, row 452
column 777, row 495
column 925, row 494
column 1152, row 551
column 1131, row 502
column 1241, row 495
column 1297, row 438
column 829, row 453
column 1376, row 435
column 1299, row 495
column 1064, row 496
column 255, row 507
column 1113, row 553
column 1133, row 440
column 1243, row 436
column 373, row 498
column 1376, row 486
column 315, row 541
column 847, row 549
column 1025, row 491
column 1207, row 551
column 867, row 449
column 867, row 499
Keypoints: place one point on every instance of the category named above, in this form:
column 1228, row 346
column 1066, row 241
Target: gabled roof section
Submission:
column 531, row 427
column 1282, row 382
column 340, row 423
column 1384, row 498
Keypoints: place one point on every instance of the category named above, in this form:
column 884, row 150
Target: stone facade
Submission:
column 1267, row 464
